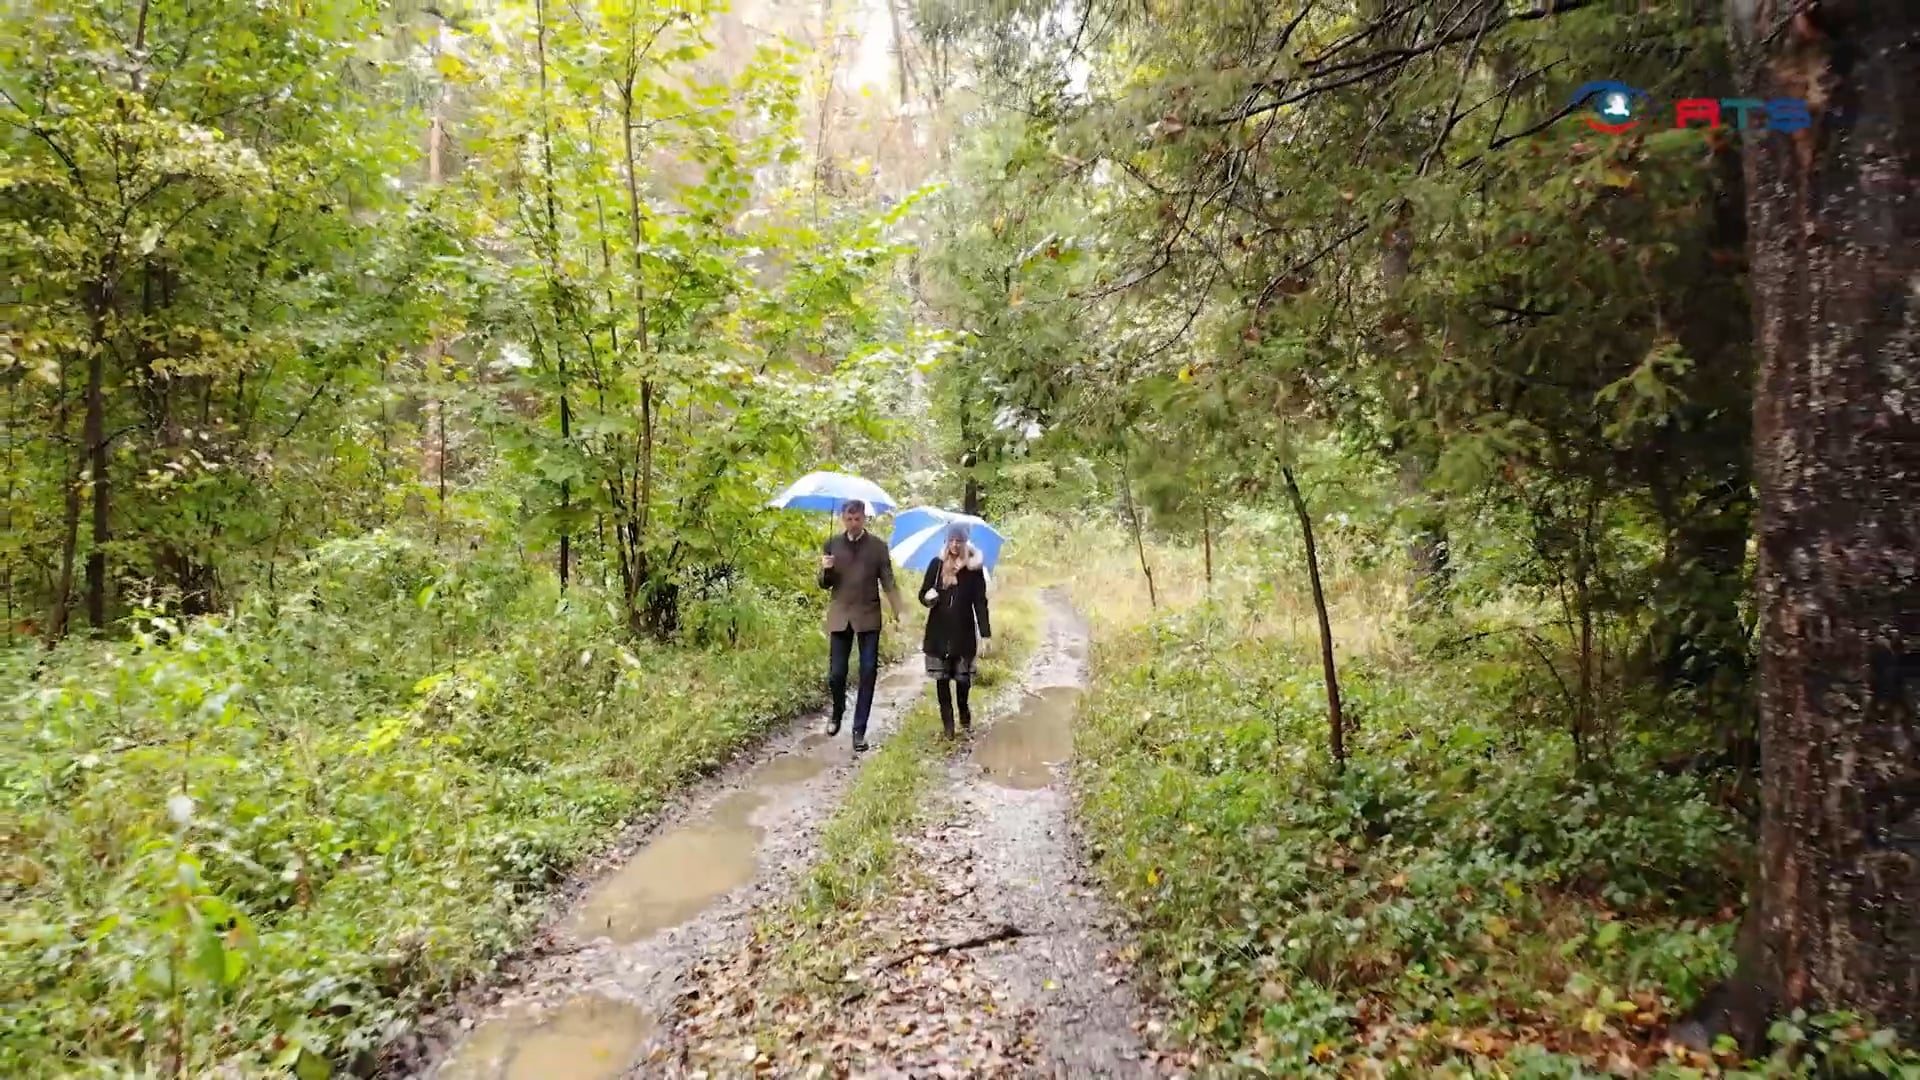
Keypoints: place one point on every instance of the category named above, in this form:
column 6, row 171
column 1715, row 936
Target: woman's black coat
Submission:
column 953, row 613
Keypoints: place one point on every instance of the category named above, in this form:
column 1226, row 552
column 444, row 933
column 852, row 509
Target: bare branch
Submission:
column 1372, row 66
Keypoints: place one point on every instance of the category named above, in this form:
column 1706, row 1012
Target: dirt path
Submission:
column 1013, row 828
column 994, row 955
column 583, row 1001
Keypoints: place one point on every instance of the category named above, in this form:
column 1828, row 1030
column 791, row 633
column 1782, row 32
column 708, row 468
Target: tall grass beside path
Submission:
column 243, row 841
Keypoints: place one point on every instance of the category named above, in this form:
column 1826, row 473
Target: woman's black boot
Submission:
column 941, row 691
column 966, row 714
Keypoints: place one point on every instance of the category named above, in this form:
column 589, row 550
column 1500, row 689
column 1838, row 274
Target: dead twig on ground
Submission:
column 1003, row 932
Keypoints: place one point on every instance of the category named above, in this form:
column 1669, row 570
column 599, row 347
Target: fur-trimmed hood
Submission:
column 975, row 560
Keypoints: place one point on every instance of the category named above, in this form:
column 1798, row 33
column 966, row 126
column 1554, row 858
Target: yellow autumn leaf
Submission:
column 1496, row 927
column 1153, row 876
column 1617, row 177
column 1186, row 373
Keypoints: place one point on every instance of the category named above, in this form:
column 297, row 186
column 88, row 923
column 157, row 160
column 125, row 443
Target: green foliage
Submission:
column 201, row 293
column 1460, row 891
column 1003, row 274
column 248, row 320
column 1352, row 225
column 669, row 312
column 240, row 838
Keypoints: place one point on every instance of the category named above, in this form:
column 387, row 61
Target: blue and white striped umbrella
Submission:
column 827, row 492
column 919, row 534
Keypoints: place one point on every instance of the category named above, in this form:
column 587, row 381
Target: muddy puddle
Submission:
column 1018, row 752
column 677, row 875
column 790, row 769
column 683, row 870
column 587, row 1038
column 620, row 949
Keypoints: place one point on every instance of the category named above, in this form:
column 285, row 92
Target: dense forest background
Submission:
column 394, row 391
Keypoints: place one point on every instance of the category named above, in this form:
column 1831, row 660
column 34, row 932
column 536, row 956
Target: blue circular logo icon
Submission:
column 1612, row 107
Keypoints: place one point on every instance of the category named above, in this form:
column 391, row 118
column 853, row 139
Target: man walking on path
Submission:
column 855, row 568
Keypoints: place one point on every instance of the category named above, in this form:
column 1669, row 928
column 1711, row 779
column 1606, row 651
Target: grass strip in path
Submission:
column 801, row 951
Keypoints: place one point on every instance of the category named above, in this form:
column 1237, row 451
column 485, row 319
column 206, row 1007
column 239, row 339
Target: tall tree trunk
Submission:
column 1206, row 539
column 437, row 350
column 1336, row 724
column 553, row 285
column 94, row 434
column 1427, row 547
column 904, row 70
column 61, row 610
column 973, row 500
column 657, row 620
column 1834, row 228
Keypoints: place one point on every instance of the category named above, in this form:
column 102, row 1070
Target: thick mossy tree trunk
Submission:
column 1834, row 229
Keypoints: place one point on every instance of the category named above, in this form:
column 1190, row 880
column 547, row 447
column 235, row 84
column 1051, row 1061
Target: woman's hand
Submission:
column 986, row 647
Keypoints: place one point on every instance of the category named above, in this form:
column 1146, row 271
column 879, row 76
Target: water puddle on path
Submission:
column 894, row 682
column 788, row 769
column 686, row 868
column 676, row 876
column 588, row 1038
column 667, row 883
column 1017, row 751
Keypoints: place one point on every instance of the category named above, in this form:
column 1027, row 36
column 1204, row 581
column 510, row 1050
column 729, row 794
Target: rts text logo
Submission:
column 1616, row 108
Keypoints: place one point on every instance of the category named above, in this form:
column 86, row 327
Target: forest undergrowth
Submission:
column 238, row 840
column 1465, row 898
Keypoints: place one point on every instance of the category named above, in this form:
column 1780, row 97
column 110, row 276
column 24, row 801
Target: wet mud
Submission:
column 1022, row 750
column 993, row 954
column 582, row 1002
column 586, row 1038
column 675, row 877
column 1010, row 821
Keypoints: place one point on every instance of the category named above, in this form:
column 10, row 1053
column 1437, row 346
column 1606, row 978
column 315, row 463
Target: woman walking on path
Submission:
column 955, row 595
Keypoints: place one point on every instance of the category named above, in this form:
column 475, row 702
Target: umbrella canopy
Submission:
column 827, row 492
column 919, row 533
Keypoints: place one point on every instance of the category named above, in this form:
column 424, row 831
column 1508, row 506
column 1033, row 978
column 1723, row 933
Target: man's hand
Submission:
column 826, row 562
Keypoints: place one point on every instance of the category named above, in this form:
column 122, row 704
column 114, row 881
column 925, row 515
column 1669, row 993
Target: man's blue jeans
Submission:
column 841, row 652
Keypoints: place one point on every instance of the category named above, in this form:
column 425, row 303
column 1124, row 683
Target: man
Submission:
column 856, row 567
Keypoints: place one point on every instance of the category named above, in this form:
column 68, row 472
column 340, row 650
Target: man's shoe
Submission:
column 833, row 726
column 859, row 748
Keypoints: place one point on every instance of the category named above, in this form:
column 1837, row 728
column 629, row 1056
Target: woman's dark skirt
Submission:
column 956, row 668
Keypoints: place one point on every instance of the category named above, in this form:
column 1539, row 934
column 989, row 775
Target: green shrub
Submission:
column 249, row 837
column 1461, row 880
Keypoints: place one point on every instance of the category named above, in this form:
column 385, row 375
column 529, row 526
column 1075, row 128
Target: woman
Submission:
column 955, row 595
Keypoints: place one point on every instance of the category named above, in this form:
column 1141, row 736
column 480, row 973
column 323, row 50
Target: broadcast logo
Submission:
column 1616, row 108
